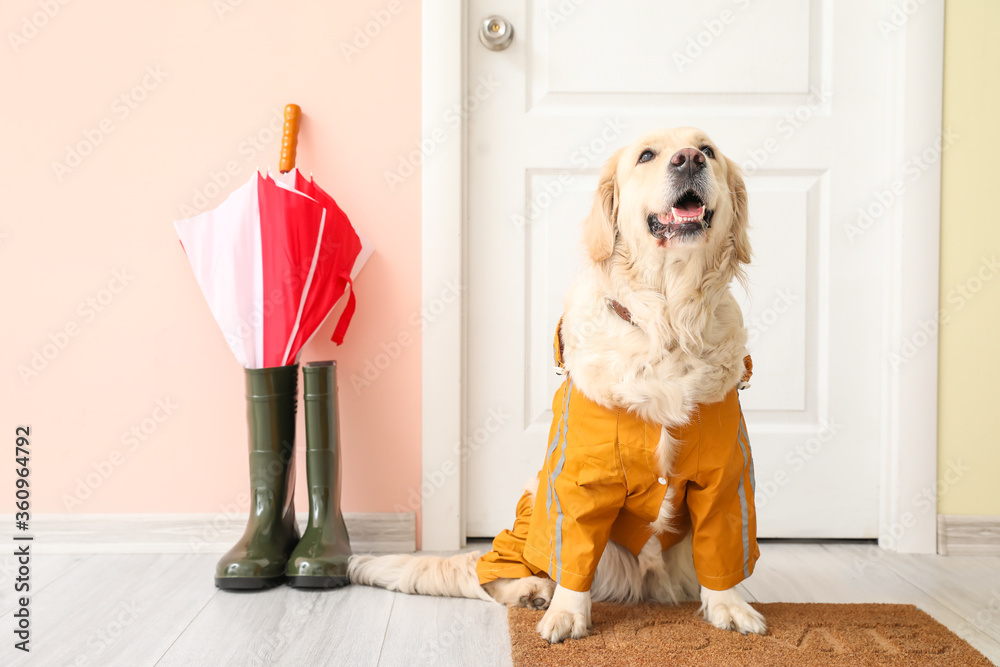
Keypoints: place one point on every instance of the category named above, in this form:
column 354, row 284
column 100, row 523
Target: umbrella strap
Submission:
column 345, row 317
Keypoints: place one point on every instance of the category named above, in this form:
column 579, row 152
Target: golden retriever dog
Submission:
column 650, row 326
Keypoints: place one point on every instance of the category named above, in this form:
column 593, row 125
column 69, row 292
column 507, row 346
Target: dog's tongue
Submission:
column 688, row 212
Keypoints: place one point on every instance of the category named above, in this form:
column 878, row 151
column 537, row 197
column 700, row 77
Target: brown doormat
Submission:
column 798, row 635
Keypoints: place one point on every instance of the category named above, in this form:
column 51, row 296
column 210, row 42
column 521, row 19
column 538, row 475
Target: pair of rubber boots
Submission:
column 271, row 551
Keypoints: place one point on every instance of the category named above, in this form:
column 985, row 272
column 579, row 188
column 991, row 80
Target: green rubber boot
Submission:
column 320, row 559
column 259, row 559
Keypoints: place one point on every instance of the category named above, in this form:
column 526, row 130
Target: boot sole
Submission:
column 318, row 582
column 248, row 583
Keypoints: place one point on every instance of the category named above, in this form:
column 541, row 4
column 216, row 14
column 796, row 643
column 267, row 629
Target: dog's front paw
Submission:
column 568, row 616
column 727, row 610
column 558, row 625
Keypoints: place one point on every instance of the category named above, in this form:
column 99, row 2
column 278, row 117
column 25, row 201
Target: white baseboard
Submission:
column 961, row 535
column 370, row 532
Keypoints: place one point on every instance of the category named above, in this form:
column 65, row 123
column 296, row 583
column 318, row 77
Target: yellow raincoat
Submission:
column 601, row 482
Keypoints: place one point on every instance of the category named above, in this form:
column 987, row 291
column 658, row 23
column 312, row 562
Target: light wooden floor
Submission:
column 137, row 610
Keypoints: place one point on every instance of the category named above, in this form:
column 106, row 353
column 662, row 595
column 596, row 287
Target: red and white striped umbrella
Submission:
column 272, row 261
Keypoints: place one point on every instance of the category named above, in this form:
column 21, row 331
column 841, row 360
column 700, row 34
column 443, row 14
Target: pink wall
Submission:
column 202, row 81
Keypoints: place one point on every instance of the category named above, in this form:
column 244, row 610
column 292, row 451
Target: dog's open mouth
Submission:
column 686, row 219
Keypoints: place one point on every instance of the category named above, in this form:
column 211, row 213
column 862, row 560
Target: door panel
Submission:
column 651, row 46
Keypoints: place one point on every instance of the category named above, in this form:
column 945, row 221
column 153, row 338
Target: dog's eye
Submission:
column 709, row 153
column 646, row 156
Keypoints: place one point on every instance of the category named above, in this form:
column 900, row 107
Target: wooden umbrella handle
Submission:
column 290, row 138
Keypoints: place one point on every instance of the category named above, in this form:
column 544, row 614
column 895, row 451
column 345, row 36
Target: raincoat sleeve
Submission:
column 720, row 499
column 506, row 559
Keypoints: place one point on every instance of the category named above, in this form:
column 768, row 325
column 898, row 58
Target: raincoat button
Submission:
column 661, row 480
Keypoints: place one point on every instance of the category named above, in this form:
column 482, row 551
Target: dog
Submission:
column 652, row 344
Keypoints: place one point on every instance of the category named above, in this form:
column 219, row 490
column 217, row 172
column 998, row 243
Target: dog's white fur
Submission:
column 686, row 347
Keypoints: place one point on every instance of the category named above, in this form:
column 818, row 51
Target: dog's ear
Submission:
column 599, row 227
column 741, row 219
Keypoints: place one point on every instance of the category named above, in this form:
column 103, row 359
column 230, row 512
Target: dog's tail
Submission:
column 452, row 576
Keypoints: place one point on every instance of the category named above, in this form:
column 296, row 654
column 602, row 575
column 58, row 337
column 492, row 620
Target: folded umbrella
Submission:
column 272, row 261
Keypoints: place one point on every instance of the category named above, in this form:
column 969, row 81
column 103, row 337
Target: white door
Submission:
column 797, row 92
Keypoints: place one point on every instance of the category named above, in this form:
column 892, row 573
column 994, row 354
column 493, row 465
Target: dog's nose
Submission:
column 689, row 159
